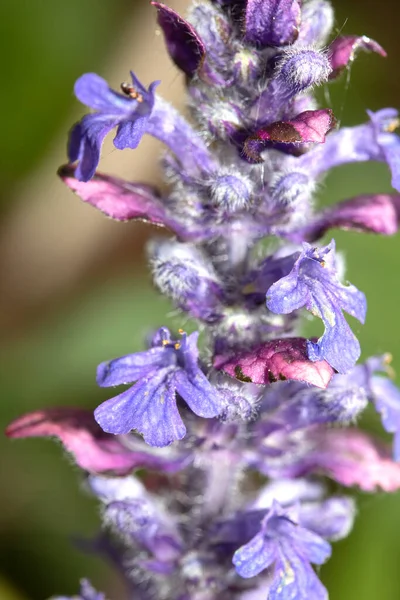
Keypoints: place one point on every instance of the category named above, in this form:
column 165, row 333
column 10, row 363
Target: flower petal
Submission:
column 255, row 556
column 295, row 578
column 331, row 519
column 149, row 407
column 132, row 367
column 85, row 141
column 130, row 133
column 202, row 397
column 94, row 91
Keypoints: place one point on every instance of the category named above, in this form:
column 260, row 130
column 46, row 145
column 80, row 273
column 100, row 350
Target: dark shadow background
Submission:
column 75, row 291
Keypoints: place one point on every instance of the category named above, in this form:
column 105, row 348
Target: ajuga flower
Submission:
column 254, row 397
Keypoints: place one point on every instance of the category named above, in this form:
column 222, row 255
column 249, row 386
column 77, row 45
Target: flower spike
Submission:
column 239, row 261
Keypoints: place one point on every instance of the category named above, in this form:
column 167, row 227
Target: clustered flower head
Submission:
column 255, row 402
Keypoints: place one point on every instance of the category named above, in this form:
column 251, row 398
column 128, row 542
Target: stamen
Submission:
column 392, row 126
column 130, row 91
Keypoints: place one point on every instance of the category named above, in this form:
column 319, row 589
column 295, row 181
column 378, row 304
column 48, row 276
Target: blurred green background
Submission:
column 75, row 291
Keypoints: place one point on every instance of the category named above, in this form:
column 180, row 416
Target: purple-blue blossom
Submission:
column 129, row 112
column 288, row 550
column 314, row 283
column 150, row 406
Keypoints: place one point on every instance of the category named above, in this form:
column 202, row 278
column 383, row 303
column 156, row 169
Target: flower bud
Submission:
column 181, row 272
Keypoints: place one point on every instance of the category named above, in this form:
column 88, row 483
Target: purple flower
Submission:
column 375, row 140
column 137, row 112
column 129, row 113
column 150, row 405
column 313, row 283
column 331, row 518
column 287, row 549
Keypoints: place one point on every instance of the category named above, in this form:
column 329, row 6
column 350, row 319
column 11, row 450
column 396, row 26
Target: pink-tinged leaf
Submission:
column 376, row 214
column 117, row 198
column 310, row 126
column 184, row 45
column 277, row 360
column 92, row 449
column 343, row 50
column 353, row 458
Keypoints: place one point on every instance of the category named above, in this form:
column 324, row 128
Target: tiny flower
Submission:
column 136, row 112
column 384, row 123
column 150, row 405
column 128, row 112
column 313, row 283
column 305, row 504
column 287, row 549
